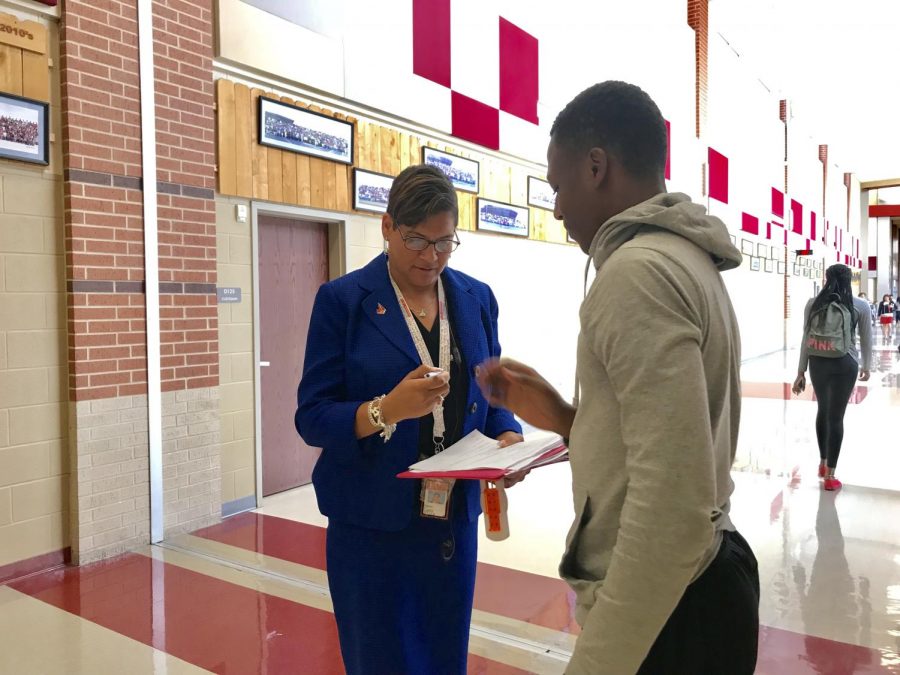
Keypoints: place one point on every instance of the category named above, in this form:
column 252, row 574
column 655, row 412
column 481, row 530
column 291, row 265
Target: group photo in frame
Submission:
column 746, row 247
column 371, row 190
column 769, row 265
column 754, row 263
column 462, row 172
column 24, row 129
column 503, row 218
column 540, row 194
column 287, row 127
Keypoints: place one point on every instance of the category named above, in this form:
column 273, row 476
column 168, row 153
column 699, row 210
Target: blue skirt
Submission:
column 403, row 600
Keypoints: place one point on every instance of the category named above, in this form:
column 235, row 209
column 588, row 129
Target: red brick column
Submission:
column 698, row 19
column 105, row 269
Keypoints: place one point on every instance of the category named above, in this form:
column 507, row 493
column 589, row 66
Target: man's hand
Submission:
column 521, row 390
column 864, row 376
column 799, row 384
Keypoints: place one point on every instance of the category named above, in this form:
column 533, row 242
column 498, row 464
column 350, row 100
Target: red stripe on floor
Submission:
column 537, row 599
column 782, row 391
column 527, row 597
column 210, row 623
column 783, row 651
column 276, row 537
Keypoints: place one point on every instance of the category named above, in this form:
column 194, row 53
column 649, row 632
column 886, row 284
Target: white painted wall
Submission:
column 361, row 51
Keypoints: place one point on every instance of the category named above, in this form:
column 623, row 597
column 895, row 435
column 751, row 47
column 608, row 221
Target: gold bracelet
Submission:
column 376, row 419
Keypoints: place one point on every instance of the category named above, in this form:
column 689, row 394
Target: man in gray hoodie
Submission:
column 664, row 582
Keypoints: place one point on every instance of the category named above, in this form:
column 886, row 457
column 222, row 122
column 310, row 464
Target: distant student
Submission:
column 833, row 377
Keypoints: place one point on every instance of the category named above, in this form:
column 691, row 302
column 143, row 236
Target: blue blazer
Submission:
column 354, row 354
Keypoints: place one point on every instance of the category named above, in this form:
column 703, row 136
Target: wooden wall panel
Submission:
column 243, row 125
column 343, row 174
column 35, row 76
column 225, row 132
column 248, row 169
column 260, row 158
column 289, row 170
column 11, row 69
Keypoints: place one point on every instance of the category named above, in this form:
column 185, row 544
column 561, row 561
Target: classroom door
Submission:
column 293, row 263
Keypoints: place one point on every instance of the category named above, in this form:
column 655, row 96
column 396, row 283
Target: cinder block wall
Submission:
column 34, row 470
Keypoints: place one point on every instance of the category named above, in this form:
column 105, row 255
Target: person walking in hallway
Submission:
column 886, row 311
column 400, row 554
column 664, row 582
column 834, row 369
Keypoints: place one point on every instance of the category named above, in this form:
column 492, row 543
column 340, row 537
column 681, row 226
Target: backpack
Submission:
column 829, row 331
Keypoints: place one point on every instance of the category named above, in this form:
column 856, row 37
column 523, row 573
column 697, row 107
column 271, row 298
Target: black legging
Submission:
column 833, row 381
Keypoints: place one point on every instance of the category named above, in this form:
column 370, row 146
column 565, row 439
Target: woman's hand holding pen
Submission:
column 416, row 395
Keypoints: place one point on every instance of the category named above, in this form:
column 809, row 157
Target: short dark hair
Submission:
column 620, row 118
column 419, row 192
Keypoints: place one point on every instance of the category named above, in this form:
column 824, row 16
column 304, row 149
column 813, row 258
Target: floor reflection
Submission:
column 832, row 600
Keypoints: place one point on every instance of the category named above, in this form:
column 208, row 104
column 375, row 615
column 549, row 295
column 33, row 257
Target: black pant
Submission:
column 714, row 629
column 833, row 381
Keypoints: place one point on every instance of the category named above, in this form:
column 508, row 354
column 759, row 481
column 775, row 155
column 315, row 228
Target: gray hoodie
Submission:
column 656, row 430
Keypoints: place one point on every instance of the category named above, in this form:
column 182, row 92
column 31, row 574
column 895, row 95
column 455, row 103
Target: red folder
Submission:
column 489, row 474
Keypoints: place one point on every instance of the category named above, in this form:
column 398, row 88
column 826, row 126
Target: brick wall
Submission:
column 113, row 481
column 698, row 19
column 104, row 193
column 186, row 160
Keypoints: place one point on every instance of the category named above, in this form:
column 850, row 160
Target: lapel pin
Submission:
column 380, row 309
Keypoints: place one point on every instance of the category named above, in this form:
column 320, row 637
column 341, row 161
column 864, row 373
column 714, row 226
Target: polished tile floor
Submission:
column 250, row 595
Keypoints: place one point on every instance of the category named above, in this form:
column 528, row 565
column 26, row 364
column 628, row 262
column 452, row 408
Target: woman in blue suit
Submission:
column 400, row 553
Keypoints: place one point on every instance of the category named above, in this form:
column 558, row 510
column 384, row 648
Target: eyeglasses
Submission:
column 416, row 243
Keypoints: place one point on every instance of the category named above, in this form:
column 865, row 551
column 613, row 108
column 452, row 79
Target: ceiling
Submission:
column 838, row 64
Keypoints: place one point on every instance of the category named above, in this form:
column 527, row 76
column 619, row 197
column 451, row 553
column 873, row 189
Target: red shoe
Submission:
column 833, row 484
column 821, row 471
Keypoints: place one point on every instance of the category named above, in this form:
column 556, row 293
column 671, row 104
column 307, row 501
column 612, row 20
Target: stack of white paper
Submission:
column 477, row 451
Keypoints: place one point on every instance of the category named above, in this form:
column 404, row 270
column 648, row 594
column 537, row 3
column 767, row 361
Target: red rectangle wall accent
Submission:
column 777, row 202
column 749, row 223
column 518, row 72
column 796, row 217
column 718, row 176
column 431, row 40
column 475, row 121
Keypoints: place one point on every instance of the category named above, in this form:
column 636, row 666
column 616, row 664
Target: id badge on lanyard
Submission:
column 435, row 497
column 436, row 492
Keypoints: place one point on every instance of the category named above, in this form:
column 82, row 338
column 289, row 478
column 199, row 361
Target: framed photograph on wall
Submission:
column 781, row 267
column 540, row 194
column 733, row 240
column 503, row 218
column 769, row 265
column 746, row 247
column 754, row 263
column 796, row 270
column 287, row 127
column 371, row 190
column 24, row 129
column 762, row 251
column 462, row 172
